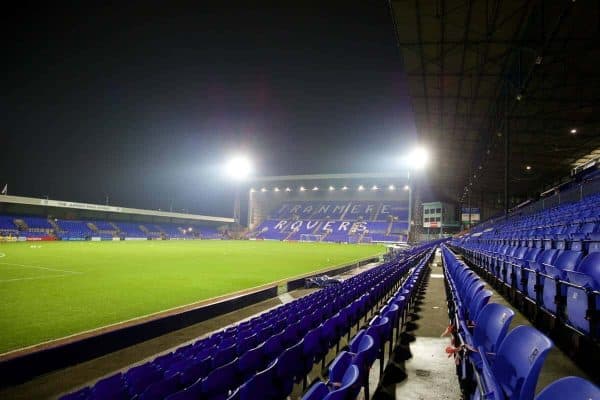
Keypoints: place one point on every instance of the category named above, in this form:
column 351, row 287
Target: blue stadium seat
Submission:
column 570, row 387
column 348, row 388
column 519, row 360
column 263, row 385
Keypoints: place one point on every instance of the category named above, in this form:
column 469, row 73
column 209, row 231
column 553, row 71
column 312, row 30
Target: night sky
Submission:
column 144, row 103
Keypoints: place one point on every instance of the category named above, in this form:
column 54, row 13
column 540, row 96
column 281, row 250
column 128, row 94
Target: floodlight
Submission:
column 406, row 187
column 263, row 190
column 573, row 131
column 239, row 167
column 392, row 187
column 374, row 187
column 418, row 158
column 528, row 167
column 361, row 188
column 276, row 189
column 345, row 188
column 331, row 188
column 287, row 189
column 315, row 189
column 302, row 188
column 190, row 229
column 252, row 190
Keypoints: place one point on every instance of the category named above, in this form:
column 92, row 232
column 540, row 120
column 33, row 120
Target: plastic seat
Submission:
column 376, row 332
column 570, row 387
column 111, row 387
column 161, row 389
column 587, row 277
column 139, row 378
column 348, row 389
column 290, row 367
column 251, row 361
column 489, row 331
column 274, row 345
column 218, row 383
column 263, row 385
column 479, row 301
column 193, row 371
column 362, row 357
column 224, row 355
column 519, row 360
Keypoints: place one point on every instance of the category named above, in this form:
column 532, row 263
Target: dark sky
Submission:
column 145, row 102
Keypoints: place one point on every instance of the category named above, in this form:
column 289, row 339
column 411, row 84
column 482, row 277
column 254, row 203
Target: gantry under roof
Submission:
column 479, row 69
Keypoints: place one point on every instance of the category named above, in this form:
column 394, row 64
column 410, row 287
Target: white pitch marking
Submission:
column 44, row 268
column 2, row 255
column 34, row 277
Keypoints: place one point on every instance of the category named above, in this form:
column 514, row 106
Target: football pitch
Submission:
column 50, row 290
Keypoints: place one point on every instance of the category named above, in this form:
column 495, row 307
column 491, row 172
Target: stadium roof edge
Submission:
column 106, row 208
column 359, row 175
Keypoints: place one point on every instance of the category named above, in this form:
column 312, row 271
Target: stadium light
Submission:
column 263, row 190
column 361, row 188
column 573, row 131
column 252, row 190
column 331, row 188
column 287, row 189
column 528, row 167
column 315, row 189
column 302, row 188
column 406, row 187
column 345, row 188
column 392, row 187
column 418, row 158
column 239, row 167
column 276, row 189
column 190, row 229
column 374, row 187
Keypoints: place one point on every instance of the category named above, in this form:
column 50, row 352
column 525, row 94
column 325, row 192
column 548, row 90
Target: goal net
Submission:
column 306, row 237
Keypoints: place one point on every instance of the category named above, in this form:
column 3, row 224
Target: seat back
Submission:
column 349, row 387
column 478, row 302
column 220, row 380
column 262, row 385
column 492, row 325
column 570, row 387
column 519, row 360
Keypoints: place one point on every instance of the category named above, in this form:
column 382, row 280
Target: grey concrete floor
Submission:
column 430, row 374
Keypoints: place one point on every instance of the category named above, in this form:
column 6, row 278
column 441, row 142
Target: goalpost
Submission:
column 307, row 237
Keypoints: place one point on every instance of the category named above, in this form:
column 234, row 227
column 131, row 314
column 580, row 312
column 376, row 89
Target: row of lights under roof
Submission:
column 359, row 188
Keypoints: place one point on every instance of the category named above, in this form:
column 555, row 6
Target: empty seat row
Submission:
column 558, row 273
column 492, row 362
column 349, row 371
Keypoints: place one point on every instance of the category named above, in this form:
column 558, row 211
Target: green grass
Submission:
column 51, row 290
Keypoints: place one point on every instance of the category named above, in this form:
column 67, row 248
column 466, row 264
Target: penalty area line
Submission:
column 34, row 278
column 42, row 267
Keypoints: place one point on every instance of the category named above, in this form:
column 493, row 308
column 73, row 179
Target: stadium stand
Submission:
column 73, row 229
column 265, row 356
column 39, row 227
column 336, row 221
column 7, row 226
column 548, row 261
column 492, row 362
